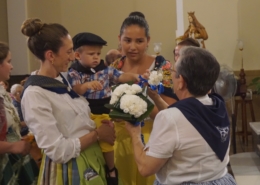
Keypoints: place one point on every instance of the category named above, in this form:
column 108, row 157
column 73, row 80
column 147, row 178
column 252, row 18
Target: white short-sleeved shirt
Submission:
column 57, row 121
column 191, row 159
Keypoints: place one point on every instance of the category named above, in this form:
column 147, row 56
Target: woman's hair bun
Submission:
column 138, row 14
column 31, row 26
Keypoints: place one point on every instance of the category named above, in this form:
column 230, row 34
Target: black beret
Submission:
column 86, row 38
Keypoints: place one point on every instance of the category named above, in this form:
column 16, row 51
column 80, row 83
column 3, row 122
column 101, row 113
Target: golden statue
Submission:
column 195, row 30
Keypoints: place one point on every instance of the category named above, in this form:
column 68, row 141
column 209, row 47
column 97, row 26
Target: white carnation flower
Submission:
column 136, row 88
column 118, row 92
column 124, row 89
column 133, row 105
column 155, row 78
column 114, row 99
column 128, row 91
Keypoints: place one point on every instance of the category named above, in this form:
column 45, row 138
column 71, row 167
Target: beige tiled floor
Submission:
column 240, row 146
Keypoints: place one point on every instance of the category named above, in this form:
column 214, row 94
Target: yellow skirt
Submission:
column 124, row 156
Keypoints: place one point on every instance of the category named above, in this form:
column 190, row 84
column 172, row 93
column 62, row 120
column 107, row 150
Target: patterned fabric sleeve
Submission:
column 3, row 123
column 74, row 77
column 114, row 74
column 118, row 64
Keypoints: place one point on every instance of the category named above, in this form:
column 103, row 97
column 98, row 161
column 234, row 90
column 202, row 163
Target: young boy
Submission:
column 90, row 77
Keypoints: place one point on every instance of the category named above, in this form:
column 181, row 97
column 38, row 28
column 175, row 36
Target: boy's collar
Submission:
column 76, row 65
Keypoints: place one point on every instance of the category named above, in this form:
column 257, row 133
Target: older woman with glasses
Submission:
column 189, row 143
column 16, row 91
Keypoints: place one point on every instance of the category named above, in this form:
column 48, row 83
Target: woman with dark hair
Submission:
column 134, row 38
column 57, row 116
column 17, row 167
column 137, row 13
column 190, row 140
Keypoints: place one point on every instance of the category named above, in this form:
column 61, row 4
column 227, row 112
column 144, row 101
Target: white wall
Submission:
column 161, row 17
column 48, row 11
column 249, row 30
column 3, row 21
column 220, row 18
column 103, row 18
column 16, row 14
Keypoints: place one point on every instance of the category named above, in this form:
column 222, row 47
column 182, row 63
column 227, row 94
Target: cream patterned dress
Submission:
column 17, row 169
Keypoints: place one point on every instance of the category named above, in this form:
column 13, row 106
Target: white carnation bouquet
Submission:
column 128, row 103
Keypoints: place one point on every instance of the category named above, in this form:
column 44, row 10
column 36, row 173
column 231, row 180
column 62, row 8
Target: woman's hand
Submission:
column 153, row 94
column 108, row 122
column 21, row 147
column 146, row 74
column 106, row 132
column 133, row 130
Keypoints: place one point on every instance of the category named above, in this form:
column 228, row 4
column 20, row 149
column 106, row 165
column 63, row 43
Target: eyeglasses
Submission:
column 173, row 70
column 176, row 54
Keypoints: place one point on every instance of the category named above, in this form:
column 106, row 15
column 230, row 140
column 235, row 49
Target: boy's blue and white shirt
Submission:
column 107, row 76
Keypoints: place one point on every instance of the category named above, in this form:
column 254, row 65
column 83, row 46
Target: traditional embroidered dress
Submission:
column 14, row 169
column 58, row 117
column 124, row 157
